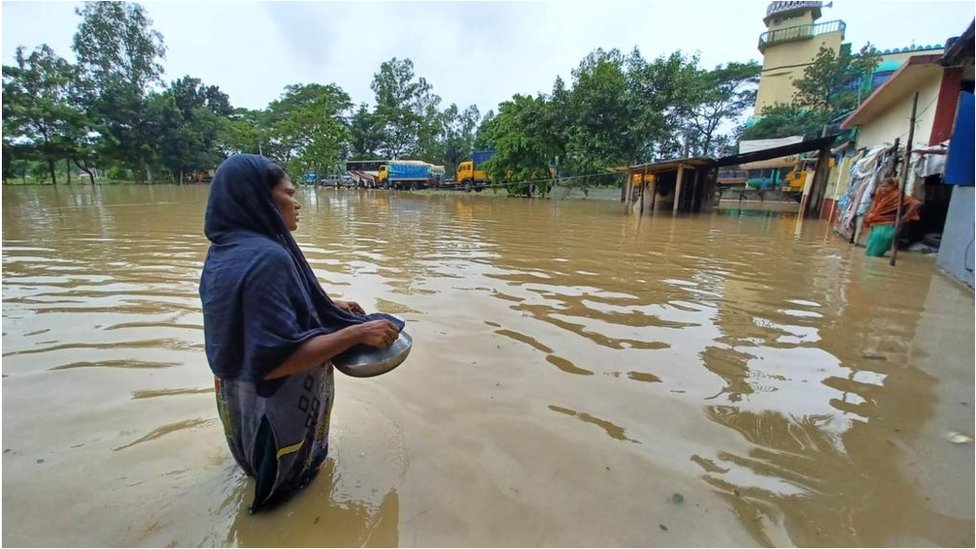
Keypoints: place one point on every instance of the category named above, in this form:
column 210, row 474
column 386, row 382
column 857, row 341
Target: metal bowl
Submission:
column 374, row 362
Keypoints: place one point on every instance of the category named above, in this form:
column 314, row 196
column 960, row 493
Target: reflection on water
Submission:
column 573, row 368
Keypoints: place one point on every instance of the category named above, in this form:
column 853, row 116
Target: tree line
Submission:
column 112, row 113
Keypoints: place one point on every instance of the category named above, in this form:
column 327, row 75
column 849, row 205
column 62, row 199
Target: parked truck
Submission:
column 796, row 179
column 471, row 172
column 409, row 174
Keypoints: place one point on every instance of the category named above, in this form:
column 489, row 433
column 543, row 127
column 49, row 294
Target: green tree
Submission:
column 621, row 109
column 481, row 138
column 307, row 127
column 829, row 86
column 523, row 144
column 241, row 132
column 8, row 156
column 40, row 117
column 560, row 116
column 432, row 127
column 723, row 93
column 407, row 106
column 784, row 120
column 458, row 136
column 827, row 92
column 118, row 55
column 665, row 91
column 602, row 113
column 187, row 117
column 366, row 133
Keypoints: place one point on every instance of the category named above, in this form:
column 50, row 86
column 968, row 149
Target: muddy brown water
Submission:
column 579, row 377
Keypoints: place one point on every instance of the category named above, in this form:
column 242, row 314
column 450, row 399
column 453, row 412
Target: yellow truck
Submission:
column 796, row 179
column 471, row 172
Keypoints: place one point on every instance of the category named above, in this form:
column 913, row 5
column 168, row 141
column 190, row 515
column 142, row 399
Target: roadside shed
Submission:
column 689, row 184
column 681, row 185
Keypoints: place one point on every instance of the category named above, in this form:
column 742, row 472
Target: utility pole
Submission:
column 904, row 180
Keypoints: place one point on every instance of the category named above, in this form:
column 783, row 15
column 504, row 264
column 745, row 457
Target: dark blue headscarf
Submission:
column 260, row 298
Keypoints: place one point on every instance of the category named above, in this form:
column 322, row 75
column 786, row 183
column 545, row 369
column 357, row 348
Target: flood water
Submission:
column 579, row 377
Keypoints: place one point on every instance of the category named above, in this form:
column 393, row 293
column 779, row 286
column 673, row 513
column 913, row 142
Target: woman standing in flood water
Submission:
column 271, row 330
column 881, row 219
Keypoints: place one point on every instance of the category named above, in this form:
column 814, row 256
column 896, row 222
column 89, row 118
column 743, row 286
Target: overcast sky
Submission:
column 471, row 52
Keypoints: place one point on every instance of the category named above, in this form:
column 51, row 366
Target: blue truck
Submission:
column 409, row 174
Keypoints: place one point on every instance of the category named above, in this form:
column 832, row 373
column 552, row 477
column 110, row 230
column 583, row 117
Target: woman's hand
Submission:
column 349, row 306
column 377, row 333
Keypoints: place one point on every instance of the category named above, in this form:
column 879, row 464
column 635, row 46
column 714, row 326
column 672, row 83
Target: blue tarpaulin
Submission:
column 959, row 164
column 480, row 157
column 408, row 171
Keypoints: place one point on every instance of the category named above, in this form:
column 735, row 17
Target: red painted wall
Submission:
column 945, row 110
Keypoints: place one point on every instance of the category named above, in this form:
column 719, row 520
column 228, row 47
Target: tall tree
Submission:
column 242, row 132
column 723, row 93
column 481, row 136
column 459, row 135
column 622, row 106
column 602, row 112
column 523, row 144
column 829, row 85
column 39, row 111
column 118, row 55
column 366, row 130
column 307, row 125
column 407, row 106
column 188, row 118
column 664, row 91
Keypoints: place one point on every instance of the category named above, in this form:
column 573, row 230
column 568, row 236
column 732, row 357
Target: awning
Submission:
column 777, row 152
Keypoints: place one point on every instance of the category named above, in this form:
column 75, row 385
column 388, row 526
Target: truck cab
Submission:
column 466, row 173
column 796, row 179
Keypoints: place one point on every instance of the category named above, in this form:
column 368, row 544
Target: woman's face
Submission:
column 284, row 196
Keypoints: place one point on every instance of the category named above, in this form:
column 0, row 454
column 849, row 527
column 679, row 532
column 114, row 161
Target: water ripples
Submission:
column 759, row 357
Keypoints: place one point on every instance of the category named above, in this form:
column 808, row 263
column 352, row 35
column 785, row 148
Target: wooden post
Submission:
column 819, row 185
column 708, row 200
column 677, row 189
column 904, row 180
column 653, row 192
column 625, row 198
column 643, row 184
column 695, row 190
